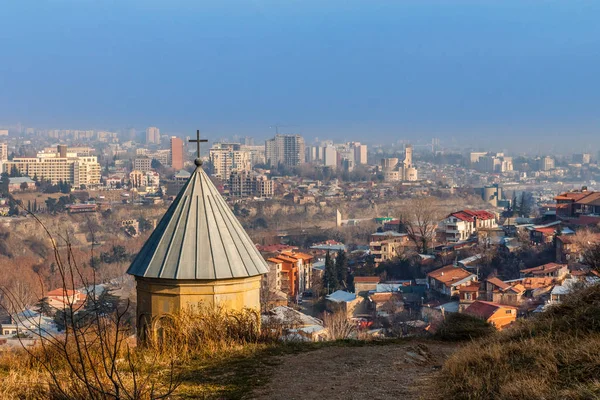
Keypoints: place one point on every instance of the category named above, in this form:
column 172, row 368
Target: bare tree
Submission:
column 587, row 244
column 421, row 217
column 338, row 325
column 93, row 357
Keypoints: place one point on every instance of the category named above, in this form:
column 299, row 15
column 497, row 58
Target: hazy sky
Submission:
column 487, row 71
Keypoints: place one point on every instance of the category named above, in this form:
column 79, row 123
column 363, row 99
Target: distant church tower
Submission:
column 199, row 252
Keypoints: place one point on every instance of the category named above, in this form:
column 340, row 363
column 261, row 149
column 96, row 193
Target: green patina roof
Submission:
column 199, row 238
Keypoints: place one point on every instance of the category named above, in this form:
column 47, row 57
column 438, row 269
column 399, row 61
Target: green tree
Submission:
column 341, row 269
column 330, row 282
column 43, row 307
column 525, row 204
column 514, row 205
column 51, row 204
column 4, row 180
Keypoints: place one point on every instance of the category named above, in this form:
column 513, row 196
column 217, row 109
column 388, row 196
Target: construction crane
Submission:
column 277, row 126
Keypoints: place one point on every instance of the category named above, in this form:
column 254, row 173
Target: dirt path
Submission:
column 400, row 371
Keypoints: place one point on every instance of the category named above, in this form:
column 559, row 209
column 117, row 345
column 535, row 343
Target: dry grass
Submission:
column 555, row 355
column 189, row 346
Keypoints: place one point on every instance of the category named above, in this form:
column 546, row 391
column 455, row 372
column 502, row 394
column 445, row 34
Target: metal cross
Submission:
column 198, row 141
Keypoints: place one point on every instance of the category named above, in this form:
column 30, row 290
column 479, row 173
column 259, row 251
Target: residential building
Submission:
column 582, row 158
column 256, row 152
column 144, row 179
column 446, row 280
column 227, row 158
column 501, row 292
column 330, row 156
column 343, row 301
column 152, row 135
column 142, row 164
column 461, row 225
column 58, row 166
column 491, row 162
column 365, row 284
column 285, row 149
column 21, row 183
column 545, row 163
column 498, row 315
column 468, row 294
column 63, row 298
column 250, row 184
column 3, row 132
column 574, row 204
column 176, row 153
column 3, row 152
column 549, row 270
column 360, row 153
column 388, row 245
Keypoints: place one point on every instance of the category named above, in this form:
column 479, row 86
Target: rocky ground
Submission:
column 401, row 371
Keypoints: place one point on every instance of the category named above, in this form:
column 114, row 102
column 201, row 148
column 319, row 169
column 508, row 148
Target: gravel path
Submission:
column 400, row 371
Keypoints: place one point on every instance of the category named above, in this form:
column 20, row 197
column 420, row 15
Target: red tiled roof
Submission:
column 497, row 282
column 484, row 309
column 543, row 269
column 62, row 292
column 470, row 215
column 449, row 274
column 575, row 196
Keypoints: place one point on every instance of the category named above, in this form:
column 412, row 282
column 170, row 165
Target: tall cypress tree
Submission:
column 341, row 269
column 330, row 282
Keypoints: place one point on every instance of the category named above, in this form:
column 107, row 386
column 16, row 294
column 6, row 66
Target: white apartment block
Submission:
column 227, row 158
column 58, row 166
column 461, row 225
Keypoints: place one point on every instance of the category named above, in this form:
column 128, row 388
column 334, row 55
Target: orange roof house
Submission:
column 551, row 270
column 496, row 314
column 446, row 280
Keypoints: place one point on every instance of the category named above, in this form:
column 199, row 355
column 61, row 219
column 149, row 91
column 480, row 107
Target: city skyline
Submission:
column 505, row 74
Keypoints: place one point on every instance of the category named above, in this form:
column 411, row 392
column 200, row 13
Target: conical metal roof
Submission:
column 198, row 238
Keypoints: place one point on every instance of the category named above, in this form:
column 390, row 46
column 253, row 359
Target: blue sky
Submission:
column 471, row 71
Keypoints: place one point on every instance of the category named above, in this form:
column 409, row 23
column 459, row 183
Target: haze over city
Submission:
column 514, row 75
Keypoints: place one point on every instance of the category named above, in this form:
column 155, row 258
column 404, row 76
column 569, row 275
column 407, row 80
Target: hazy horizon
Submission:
column 507, row 75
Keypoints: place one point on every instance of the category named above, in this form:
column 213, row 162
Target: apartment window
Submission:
column 509, row 311
column 468, row 296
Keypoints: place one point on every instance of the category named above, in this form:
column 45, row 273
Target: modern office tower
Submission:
column 285, row 149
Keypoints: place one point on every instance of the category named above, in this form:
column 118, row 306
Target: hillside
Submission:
column 555, row 355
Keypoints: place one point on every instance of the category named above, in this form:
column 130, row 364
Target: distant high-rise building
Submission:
column 3, row 132
column 176, row 153
column 546, row 163
column 360, row 152
column 227, row 158
column 330, row 156
column 3, row 152
column 152, row 135
column 582, row 158
column 285, row 149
